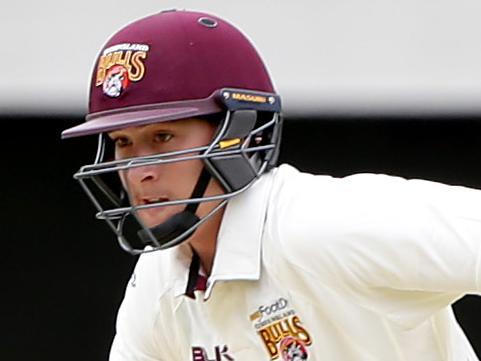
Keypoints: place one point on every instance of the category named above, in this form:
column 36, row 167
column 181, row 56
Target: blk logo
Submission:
column 221, row 353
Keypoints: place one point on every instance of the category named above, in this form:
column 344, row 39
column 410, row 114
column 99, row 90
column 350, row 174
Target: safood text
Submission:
column 268, row 310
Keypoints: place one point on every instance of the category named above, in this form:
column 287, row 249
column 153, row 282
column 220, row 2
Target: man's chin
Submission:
column 151, row 218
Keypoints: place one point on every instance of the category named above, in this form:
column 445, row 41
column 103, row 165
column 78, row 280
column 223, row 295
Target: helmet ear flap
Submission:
column 234, row 171
column 237, row 169
column 241, row 123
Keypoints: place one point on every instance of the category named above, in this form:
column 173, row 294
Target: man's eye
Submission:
column 121, row 142
column 163, row 137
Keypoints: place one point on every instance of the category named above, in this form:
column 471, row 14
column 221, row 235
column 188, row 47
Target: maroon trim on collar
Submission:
column 142, row 115
column 196, row 281
column 201, row 283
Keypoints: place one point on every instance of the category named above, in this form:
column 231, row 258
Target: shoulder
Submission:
column 303, row 199
column 139, row 311
column 149, row 279
column 299, row 198
column 337, row 219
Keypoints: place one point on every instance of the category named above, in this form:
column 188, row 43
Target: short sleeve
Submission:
column 406, row 248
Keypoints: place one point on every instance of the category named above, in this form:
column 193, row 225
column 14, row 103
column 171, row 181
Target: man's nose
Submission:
column 143, row 174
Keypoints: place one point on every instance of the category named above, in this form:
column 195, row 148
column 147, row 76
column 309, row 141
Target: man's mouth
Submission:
column 151, row 200
column 154, row 214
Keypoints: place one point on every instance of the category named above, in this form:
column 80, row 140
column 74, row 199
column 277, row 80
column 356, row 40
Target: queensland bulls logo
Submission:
column 283, row 334
column 119, row 65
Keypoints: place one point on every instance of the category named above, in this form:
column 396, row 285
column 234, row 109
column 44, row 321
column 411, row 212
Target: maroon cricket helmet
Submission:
column 169, row 66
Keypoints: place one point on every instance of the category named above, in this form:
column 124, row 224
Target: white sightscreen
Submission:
column 324, row 56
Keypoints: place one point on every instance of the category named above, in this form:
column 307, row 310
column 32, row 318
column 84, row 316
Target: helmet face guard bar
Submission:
column 245, row 146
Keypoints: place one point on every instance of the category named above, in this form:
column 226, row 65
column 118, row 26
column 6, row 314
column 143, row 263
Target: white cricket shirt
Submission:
column 361, row 268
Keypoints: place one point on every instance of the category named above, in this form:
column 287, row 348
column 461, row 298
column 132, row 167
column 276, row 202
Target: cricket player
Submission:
column 243, row 260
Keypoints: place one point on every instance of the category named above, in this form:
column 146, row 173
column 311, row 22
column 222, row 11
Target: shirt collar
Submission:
column 238, row 251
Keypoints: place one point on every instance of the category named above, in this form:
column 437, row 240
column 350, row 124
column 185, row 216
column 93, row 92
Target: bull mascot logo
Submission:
column 293, row 349
column 116, row 81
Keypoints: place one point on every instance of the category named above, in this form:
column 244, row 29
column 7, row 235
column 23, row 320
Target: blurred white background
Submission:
column 332, row 56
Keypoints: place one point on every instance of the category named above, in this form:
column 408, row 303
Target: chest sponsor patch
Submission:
column 221, row 353
column 119, row 65
column 281, row 331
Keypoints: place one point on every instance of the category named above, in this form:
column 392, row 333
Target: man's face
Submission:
column 166, row 182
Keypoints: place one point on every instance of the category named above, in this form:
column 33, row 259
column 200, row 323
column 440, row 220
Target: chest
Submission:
column 265, row 320
column 291, row 317
column 243, row 322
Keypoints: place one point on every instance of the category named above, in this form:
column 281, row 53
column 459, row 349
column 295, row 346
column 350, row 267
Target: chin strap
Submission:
column 180, row 222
